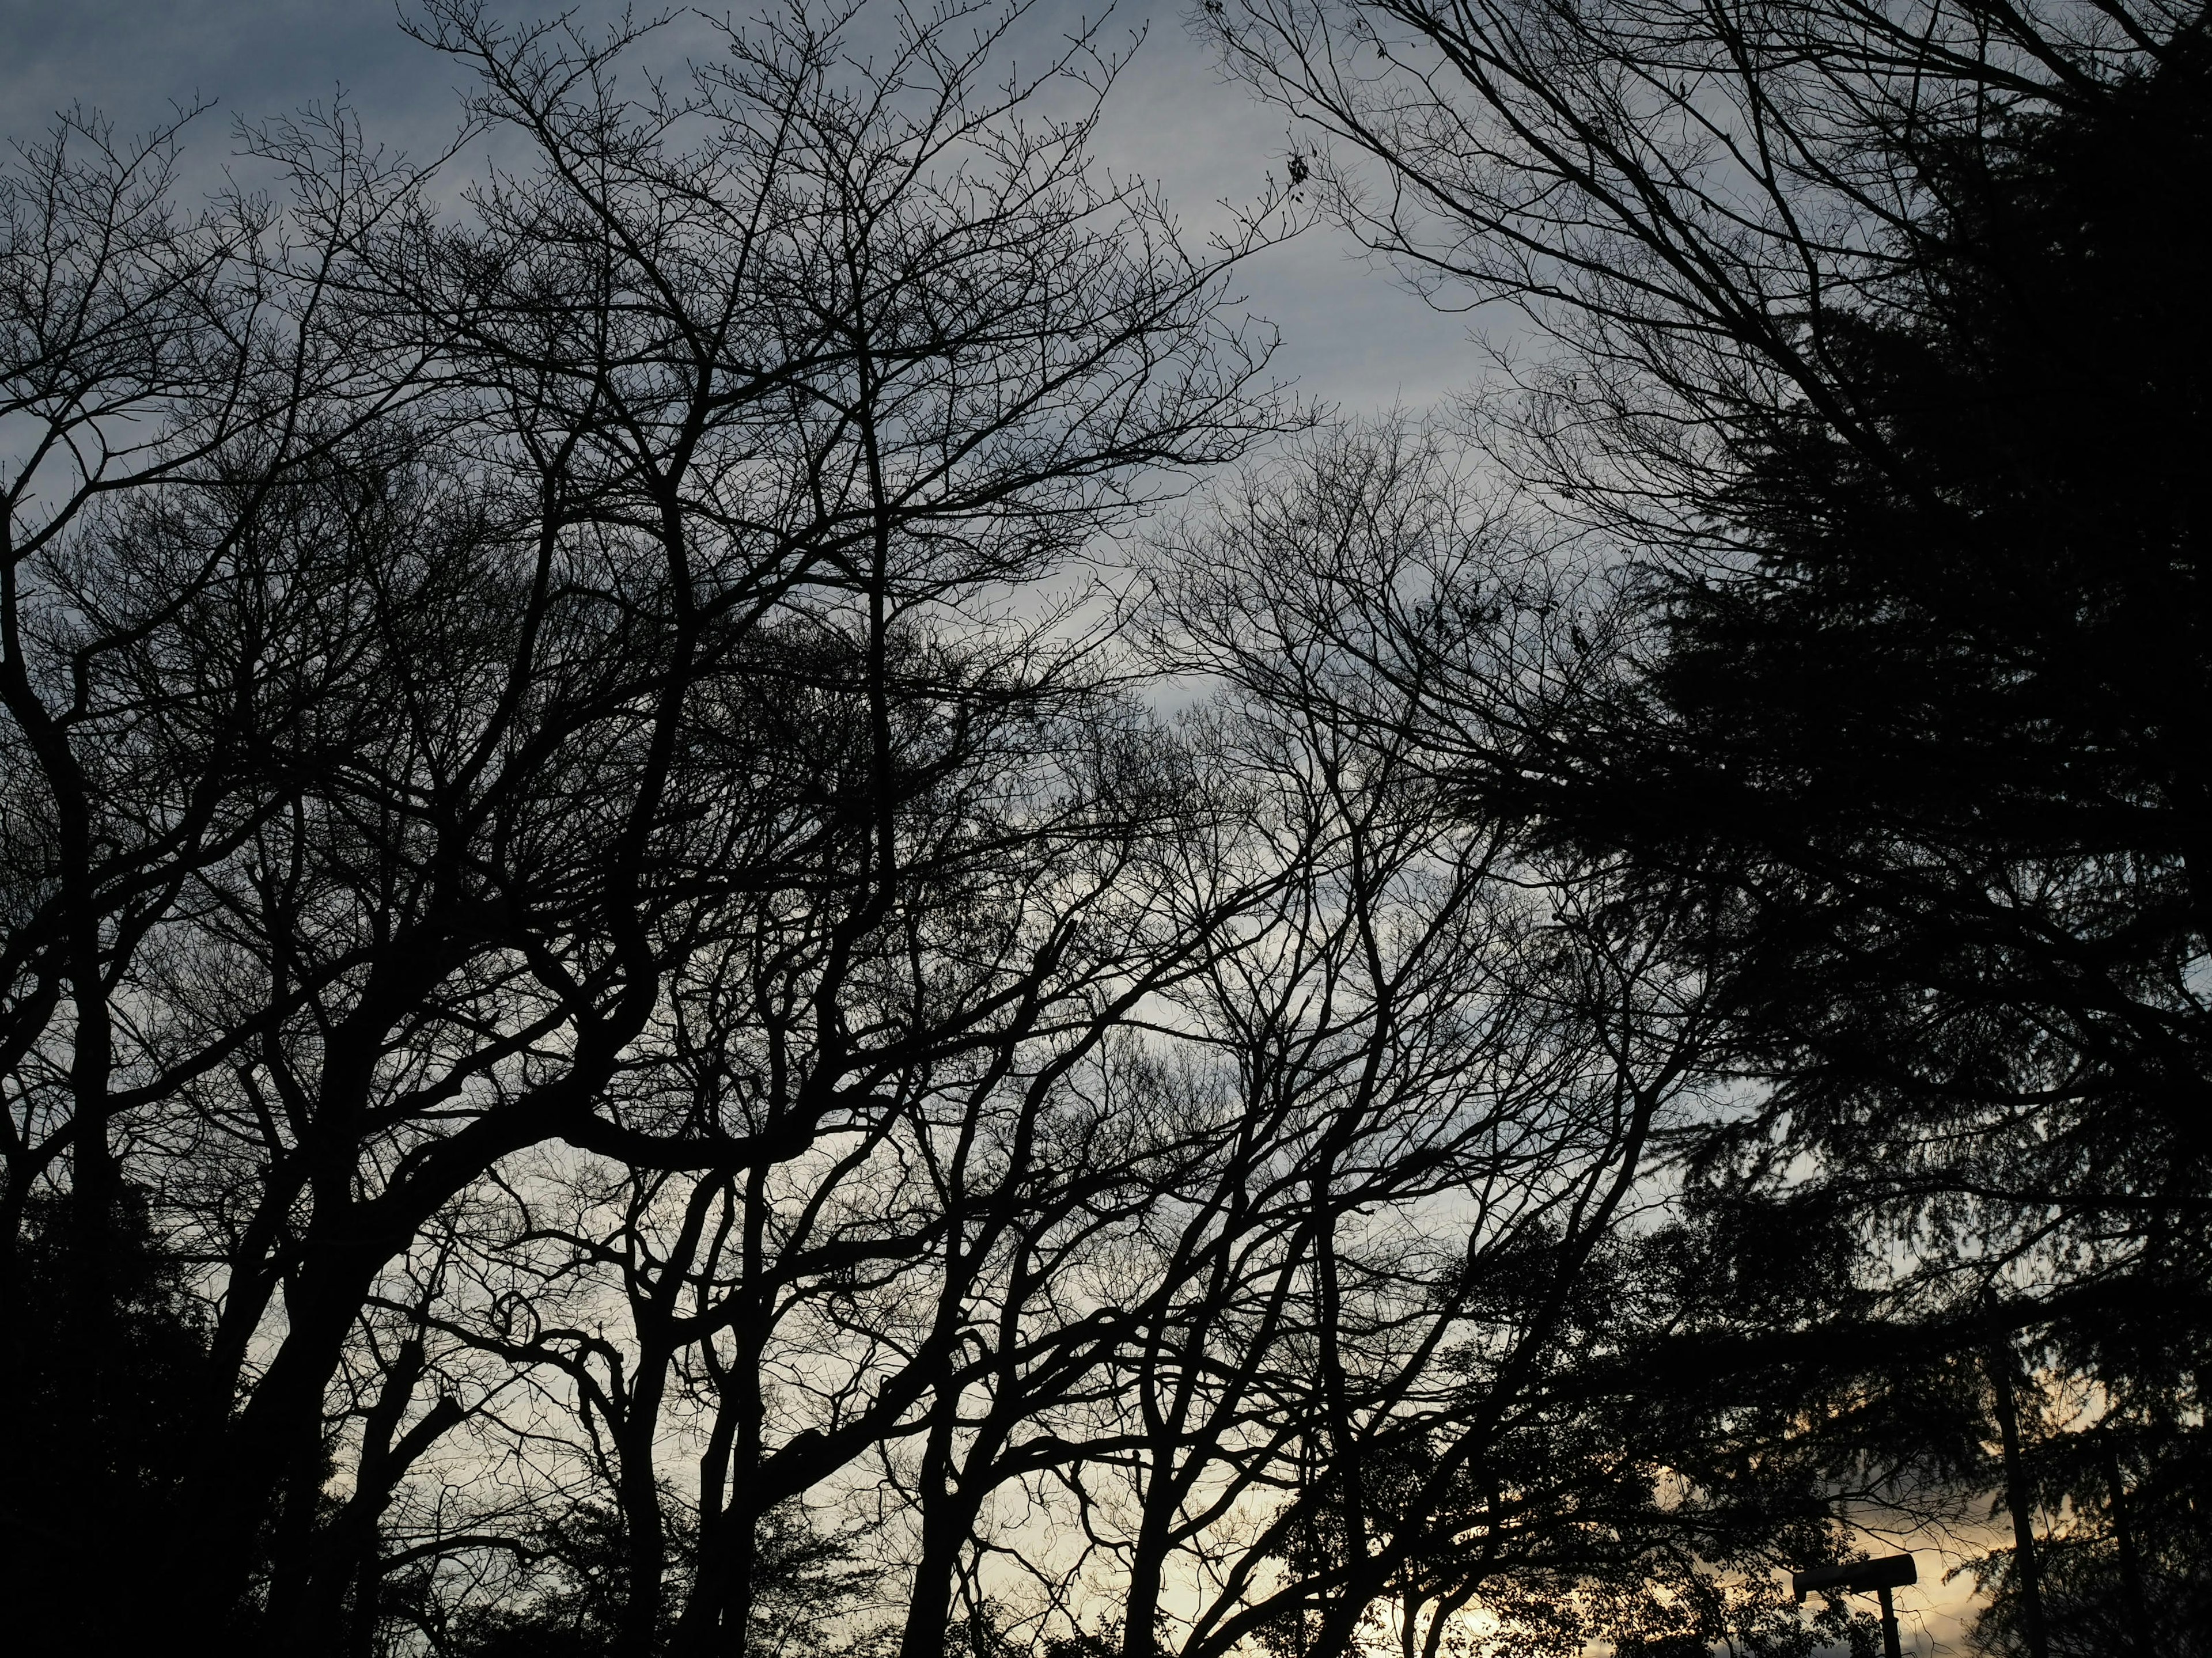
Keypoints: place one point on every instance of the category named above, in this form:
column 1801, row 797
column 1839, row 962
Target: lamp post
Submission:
column 1862, row 1577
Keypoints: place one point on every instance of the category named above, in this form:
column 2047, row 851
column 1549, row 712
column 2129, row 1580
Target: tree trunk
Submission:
column 1140, row 1637
column 948, row 1510
column 2131, row 1586
column 2026, row 1579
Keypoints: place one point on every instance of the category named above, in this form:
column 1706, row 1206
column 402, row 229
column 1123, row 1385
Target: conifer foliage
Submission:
column 682, row 973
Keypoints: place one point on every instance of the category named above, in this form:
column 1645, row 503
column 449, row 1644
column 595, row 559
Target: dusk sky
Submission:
column 1352, row 336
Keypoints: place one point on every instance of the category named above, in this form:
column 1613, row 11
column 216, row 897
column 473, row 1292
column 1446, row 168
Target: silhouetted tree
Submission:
column 122, row 1385
column 498, row 627
column 1467, row 1425
column 1877, row 372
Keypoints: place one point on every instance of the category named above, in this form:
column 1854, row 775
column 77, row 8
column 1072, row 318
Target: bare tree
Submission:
column 170, row 378
column 1272, row 1228
column 1453, row 1074
column 1841, row 317
column 661, row 739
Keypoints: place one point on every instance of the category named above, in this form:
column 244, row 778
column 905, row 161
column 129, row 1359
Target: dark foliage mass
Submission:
column 118, row 1374
column 1874, row 688
column 629, row 1028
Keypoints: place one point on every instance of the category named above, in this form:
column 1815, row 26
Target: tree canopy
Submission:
column 749, row 908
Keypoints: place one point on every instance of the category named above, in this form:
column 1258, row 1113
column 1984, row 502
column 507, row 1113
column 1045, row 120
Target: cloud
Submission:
column 1351, row 335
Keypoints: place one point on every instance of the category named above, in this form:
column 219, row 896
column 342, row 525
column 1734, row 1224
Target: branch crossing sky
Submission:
column 1353, row 337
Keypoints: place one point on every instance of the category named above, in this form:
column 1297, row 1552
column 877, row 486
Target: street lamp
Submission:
column 1862, row 1577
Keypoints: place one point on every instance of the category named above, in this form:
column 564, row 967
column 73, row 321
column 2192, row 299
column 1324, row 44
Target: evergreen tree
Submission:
column 1930, row 751
column 119, row 1376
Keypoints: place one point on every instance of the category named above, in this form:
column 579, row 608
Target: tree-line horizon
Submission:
column 748, row 907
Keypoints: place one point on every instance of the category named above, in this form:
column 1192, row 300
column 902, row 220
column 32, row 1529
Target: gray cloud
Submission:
column 1351, row 336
